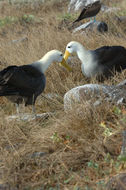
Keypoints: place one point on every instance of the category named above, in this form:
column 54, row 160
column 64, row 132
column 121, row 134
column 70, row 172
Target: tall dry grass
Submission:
column 71, row 142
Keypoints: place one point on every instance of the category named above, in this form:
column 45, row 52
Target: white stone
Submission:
column 94, row 93
column 28, row 117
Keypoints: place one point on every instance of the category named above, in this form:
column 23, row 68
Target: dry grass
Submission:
column 74, row 143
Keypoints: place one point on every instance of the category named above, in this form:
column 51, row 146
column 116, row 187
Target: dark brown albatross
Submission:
column 25, row 83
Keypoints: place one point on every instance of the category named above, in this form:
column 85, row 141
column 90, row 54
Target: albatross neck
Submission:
column 82, row 53
column 44, row 63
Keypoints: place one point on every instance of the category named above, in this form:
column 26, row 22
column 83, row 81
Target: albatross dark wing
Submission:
column 111, row 57
column 24, row 81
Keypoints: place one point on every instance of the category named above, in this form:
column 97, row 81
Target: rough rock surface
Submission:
column 76, row 5
column 94, row 93
column 25, row 1
column 28, row 117
column 117, row 182
column 99, row 26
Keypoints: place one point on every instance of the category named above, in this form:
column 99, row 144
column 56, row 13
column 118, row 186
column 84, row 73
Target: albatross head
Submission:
column 58, row 57
column 53, row 56
column 71, row 48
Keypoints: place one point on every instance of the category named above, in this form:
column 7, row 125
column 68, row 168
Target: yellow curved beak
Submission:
column 66, row 65
column 66, row 55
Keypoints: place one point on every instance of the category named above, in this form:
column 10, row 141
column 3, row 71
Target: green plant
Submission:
column 28, row 18
column 116, row 110
column 67, row 16
column 8, row 20
column 55, row 137
column 107, row 131
column 92, row 164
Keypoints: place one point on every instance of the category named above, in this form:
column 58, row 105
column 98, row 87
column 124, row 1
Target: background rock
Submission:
column 117, row 182
column 92, row 92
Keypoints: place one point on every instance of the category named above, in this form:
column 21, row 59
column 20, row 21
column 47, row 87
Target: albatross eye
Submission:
column 69, row 46
column 61, row 54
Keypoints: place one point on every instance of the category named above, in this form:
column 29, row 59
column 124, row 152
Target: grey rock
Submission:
column 76, row 5
column 102, row 27
column 19, row 40
column 117, row 182
column 123, row 149
column 121, row 19
column 107, row 9
column 99, row 26
column 28, row 117
column 7, row 187
column 25, row 1
column 95, row 94
column 38, row 154
column 50, row 96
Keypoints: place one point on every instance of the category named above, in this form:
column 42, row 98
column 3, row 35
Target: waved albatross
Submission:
column 90, row 10
column 101, row 62
column 25, row 83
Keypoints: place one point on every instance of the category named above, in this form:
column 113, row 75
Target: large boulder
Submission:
column 95, row 93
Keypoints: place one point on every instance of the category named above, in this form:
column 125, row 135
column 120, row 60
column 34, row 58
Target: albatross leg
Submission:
column 17, row 109
column 34, row 111
column 33, row 106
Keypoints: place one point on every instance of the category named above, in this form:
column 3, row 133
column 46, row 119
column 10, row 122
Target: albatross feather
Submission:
column 104, row 61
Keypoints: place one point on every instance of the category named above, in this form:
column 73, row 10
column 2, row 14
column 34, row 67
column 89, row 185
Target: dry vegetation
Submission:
column 76, row 157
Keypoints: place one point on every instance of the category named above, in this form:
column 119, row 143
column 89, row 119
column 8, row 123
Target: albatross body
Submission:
column 25, row 83
column 91, row 10
column 22, row 83
column 102, row 62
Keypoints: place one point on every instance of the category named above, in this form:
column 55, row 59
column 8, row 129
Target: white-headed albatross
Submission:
column 102, row 62
column 25, row 83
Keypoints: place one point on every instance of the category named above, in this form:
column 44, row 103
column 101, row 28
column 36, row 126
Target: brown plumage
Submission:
column 90, row 10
